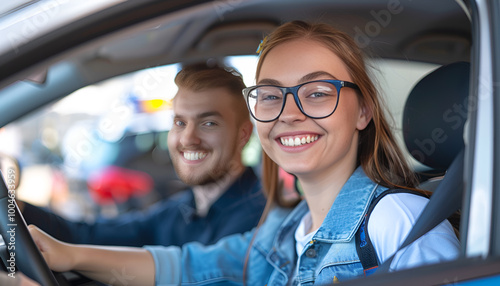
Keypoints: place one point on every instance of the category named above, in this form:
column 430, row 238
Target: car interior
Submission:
column 42, row 64
column 423, row 124
column 448, row 87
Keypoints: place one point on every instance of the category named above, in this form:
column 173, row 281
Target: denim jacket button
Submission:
column 311, row 253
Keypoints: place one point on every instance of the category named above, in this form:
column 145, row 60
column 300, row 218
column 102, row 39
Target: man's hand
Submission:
column 99, row 263
column 58, row 255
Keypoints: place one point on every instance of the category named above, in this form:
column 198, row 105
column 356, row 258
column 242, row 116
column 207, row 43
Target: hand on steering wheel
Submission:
column 57, row 254
column 25, row 254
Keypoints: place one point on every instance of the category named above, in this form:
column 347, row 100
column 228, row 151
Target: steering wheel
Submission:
column 23, row 253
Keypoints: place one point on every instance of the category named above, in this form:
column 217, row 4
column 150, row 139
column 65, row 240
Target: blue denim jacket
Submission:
column 272, row 258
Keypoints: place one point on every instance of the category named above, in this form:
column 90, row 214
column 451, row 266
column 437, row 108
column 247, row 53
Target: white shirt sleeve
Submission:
column 390, row 222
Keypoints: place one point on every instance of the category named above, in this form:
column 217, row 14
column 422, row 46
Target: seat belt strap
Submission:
column 445, row 201
column 366, row 251
column 364, row 247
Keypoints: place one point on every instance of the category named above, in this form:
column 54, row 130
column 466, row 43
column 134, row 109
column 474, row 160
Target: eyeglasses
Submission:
column 315, row 99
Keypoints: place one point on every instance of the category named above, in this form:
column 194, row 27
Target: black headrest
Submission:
column 435, row 113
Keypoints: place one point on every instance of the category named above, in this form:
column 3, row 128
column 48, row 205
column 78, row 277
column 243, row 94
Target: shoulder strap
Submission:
column 445, row 200
column 364, row 247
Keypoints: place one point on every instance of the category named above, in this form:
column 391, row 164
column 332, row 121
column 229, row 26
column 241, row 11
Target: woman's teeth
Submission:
column 192, row 156
column 298, row 140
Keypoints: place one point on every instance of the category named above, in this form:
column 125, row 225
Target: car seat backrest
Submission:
column 434, row 116
column 434, row 119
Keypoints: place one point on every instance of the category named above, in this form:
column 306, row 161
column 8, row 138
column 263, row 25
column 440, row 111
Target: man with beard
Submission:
column 211, row 127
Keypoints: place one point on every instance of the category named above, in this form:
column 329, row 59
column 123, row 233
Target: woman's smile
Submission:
column 292, row 141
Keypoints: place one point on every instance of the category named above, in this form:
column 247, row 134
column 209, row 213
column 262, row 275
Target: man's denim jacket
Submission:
column 331, row 255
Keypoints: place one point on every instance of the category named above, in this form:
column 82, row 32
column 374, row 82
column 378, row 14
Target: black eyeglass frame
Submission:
column 294, row 91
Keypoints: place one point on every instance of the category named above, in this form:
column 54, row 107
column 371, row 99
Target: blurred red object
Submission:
column 288, row 180
column 117, row 185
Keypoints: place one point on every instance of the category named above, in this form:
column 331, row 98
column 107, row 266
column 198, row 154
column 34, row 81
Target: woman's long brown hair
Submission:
column 378, row 153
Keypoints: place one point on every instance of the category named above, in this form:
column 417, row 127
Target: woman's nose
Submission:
column 291, row 111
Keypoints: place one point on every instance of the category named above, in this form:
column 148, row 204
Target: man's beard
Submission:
column 194, row 179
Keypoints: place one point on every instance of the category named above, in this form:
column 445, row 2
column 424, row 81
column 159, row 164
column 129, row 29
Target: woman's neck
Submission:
column 321, row 191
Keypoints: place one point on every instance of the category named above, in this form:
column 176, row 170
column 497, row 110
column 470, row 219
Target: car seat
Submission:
column 434, row 117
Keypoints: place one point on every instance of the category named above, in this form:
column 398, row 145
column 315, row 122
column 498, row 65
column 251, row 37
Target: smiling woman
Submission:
column 347, row 140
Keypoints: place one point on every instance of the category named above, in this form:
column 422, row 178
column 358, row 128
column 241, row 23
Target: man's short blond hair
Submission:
column 200, row 76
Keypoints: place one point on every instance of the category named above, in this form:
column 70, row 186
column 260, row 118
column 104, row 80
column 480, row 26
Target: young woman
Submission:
column 319, row 118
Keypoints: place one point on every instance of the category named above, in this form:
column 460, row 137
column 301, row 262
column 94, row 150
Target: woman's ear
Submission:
column 365, row 116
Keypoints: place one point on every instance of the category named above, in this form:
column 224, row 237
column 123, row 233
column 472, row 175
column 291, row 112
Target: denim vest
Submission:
column 332, row 252
column 331, row 255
